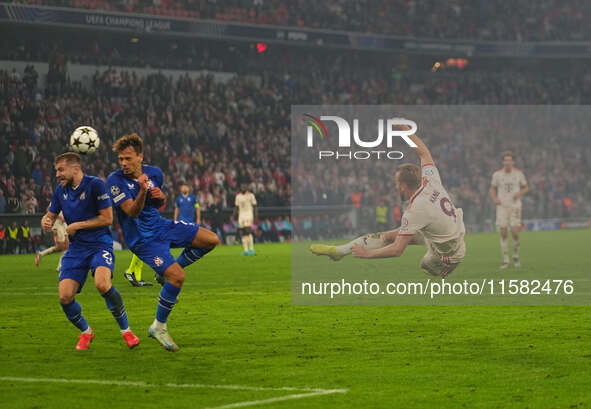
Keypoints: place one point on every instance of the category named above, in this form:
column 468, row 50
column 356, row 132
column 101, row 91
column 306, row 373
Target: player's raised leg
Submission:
column 102, row 281
column 368, row 241
column 67, row 292
column 203, row 242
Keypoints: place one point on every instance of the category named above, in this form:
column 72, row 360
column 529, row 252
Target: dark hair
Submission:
column 409, row 174
column 507, row 153
column 69, row 157
column 132, row 139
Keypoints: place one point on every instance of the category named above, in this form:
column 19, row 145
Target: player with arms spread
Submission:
column 136, row 190
column 87, row 209
column 506, row 188
column 430, row 219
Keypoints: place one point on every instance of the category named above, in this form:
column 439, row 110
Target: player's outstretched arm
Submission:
column 393, row 250
column 421, row 149
column 104, row 218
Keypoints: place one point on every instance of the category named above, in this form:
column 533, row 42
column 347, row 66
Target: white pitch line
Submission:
column 170, row 385
column 278, row 399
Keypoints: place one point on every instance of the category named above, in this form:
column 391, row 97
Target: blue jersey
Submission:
column 187, row 205
column 80, row 204
column 145, row 227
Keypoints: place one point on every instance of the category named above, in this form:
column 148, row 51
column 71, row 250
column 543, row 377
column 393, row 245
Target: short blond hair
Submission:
column 410, row 175
column 69, row 157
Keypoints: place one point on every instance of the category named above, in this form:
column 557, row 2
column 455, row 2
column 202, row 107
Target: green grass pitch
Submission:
column 236, row 326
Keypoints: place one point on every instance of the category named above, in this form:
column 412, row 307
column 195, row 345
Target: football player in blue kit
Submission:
column 87, row 209
column 136, row 191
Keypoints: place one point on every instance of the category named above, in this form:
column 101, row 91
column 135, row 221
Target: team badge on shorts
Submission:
column 158, row 261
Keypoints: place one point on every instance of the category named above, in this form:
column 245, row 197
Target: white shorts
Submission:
column 244, row 222
column 438, row 265
column 59, row 231
column 508, row 216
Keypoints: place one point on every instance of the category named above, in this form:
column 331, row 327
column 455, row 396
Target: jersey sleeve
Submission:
column 196, row 205
column 236, row 201
column 253, row 200
column 55, row 206
column 100, row 195
column 118, row 190
column 495, row 180
column 411, row 223
column 176, row 202
column 430, row 172
column 522, row 179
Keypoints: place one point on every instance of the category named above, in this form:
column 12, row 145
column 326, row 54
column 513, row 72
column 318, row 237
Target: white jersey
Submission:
column 245, row 203
column 59, row 228
column 507, row 185
column 432, row 214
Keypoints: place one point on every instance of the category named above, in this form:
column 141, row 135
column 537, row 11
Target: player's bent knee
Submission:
column 102, row 279
column 206, row 239
column 66, row 298
column 175, row 275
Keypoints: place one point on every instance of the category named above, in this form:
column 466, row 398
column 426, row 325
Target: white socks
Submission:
column 505, row 249
column 515, row 248
column 247, row 243
column 369, row 241
column 157, row 325
column 47, row 251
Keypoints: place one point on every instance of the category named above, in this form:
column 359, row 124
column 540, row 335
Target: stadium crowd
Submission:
column 217, row 135
column 543, row 20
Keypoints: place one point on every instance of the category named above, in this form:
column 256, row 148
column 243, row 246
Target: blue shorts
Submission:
column 77, row 261
column 156, row 253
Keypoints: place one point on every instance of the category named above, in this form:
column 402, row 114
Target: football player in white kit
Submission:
column 246, row 208
column 60, row 238
column 507, row 187
column 430, row 219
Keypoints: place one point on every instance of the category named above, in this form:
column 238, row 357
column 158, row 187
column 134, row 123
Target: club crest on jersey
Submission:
column 115, row 190
column 158, row 261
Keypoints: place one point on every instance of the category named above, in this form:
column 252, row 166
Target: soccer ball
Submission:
column 84, row 140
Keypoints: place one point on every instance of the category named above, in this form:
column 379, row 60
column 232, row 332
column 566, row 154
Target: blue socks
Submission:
column 166, row 301
column 74, row 313
column 190, row 255
column 115, row 305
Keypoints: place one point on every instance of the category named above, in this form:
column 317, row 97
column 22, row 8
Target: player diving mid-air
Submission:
column 430, row 219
